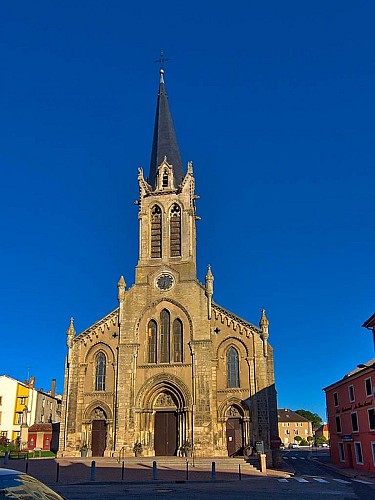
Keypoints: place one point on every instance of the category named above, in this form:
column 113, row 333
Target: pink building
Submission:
column 351, row 418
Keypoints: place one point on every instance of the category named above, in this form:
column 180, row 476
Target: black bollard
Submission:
column 213, row 472
column 6, row 457
column 93, row 465
column 187, row 470
column 239, row 472
column 122, row 471
column 154, row 470
column 57, row 472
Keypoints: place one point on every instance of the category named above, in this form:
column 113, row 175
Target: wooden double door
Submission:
column 234, row 437
column 165, row 433
column 98, row 438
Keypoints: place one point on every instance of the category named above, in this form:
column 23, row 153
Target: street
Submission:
column 312, row 480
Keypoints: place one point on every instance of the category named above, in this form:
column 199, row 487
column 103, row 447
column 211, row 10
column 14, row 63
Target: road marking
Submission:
column 285, row 457
column 302, row 458
column 294, row 458
column 341, row 481
column 301, row 480
column 283, row 480
column 361, row 481
column 320, row 480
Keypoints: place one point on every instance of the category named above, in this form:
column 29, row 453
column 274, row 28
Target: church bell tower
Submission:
column 167, row 232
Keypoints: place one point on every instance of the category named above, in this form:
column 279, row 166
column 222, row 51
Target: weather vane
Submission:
column 162, row 59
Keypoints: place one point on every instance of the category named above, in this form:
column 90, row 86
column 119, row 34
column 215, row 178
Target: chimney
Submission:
column 53, row 388
column 32, row 382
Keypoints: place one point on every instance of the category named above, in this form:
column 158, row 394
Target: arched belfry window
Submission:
column 100, row 370
column 156, row 232
column 165, row 179
column 175, row 231
column 233, row 374
column 177, row 341
column 152, row 341
column 165, row 325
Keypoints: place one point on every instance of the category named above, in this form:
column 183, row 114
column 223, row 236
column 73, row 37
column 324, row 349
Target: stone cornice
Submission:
column 238, row 323
column 100, row 326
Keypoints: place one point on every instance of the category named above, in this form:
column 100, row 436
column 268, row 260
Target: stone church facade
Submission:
column 168, row 368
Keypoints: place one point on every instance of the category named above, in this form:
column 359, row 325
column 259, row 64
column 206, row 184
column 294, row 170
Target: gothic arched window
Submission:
column 100, row 372
column 156, row 232
column 175, row 231
column 177, row 341
column 233, row 374
column 165, row 325
column 152, row 341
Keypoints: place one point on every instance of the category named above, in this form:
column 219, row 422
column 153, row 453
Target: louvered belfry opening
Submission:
column 156, row 232
column 175, row 235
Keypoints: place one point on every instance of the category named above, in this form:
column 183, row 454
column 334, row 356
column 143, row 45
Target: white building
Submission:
column 21, row 403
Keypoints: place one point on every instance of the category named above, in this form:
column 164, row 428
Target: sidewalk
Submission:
column 350, row 473
column 137, row 470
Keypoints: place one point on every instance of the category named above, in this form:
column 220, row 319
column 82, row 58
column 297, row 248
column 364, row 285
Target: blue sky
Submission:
column 272, row 101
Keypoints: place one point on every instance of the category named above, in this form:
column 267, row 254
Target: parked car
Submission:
column 16, row 484
column 293, row 445
column 325, row 445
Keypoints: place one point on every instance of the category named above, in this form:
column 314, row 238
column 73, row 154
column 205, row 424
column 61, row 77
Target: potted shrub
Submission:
column 138, row 448
column 84, row 448
column 187, row 449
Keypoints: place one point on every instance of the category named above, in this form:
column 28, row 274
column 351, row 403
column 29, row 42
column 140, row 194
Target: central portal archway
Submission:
column 166, row 425
column 164, row 421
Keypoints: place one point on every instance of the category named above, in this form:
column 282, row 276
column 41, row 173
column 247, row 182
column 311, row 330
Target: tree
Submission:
column 320, row 440
column 297, row 438
column 312, row 417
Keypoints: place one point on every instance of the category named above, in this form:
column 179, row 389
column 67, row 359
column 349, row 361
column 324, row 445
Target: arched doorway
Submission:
column 98, row 432
column 234, row 432
column 166, row 425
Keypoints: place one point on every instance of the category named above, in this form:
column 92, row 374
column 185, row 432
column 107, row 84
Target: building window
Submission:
column 233, row 375
column 368, row 385
column 341, row 452
column 4, row 433
column 165, row 179
column 177, row 341
column 373, row 451
column 351, row 393
column 296, row 432
column 0, row 417
column 371, row 419
column 100, row 372
column 156, row 232
column 1, row 400
column 19, row 418
column 338, row 424
column 355, row 422
column 287, row 432
column 336, row 398
column 165, row 322
column 175, row 231
column 358, row 453
column 152, row 341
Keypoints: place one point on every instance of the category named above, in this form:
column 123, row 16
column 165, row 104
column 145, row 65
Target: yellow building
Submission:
column 291, row 425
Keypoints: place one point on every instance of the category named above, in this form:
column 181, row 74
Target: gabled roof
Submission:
column 165, row 142
column 286, row 415
column 361, row 368
column 370, row 323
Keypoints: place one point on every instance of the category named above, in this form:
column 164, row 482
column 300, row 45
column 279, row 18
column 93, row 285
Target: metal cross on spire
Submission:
column 162, row 59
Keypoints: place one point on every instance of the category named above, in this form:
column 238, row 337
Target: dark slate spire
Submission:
column 165, row 142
